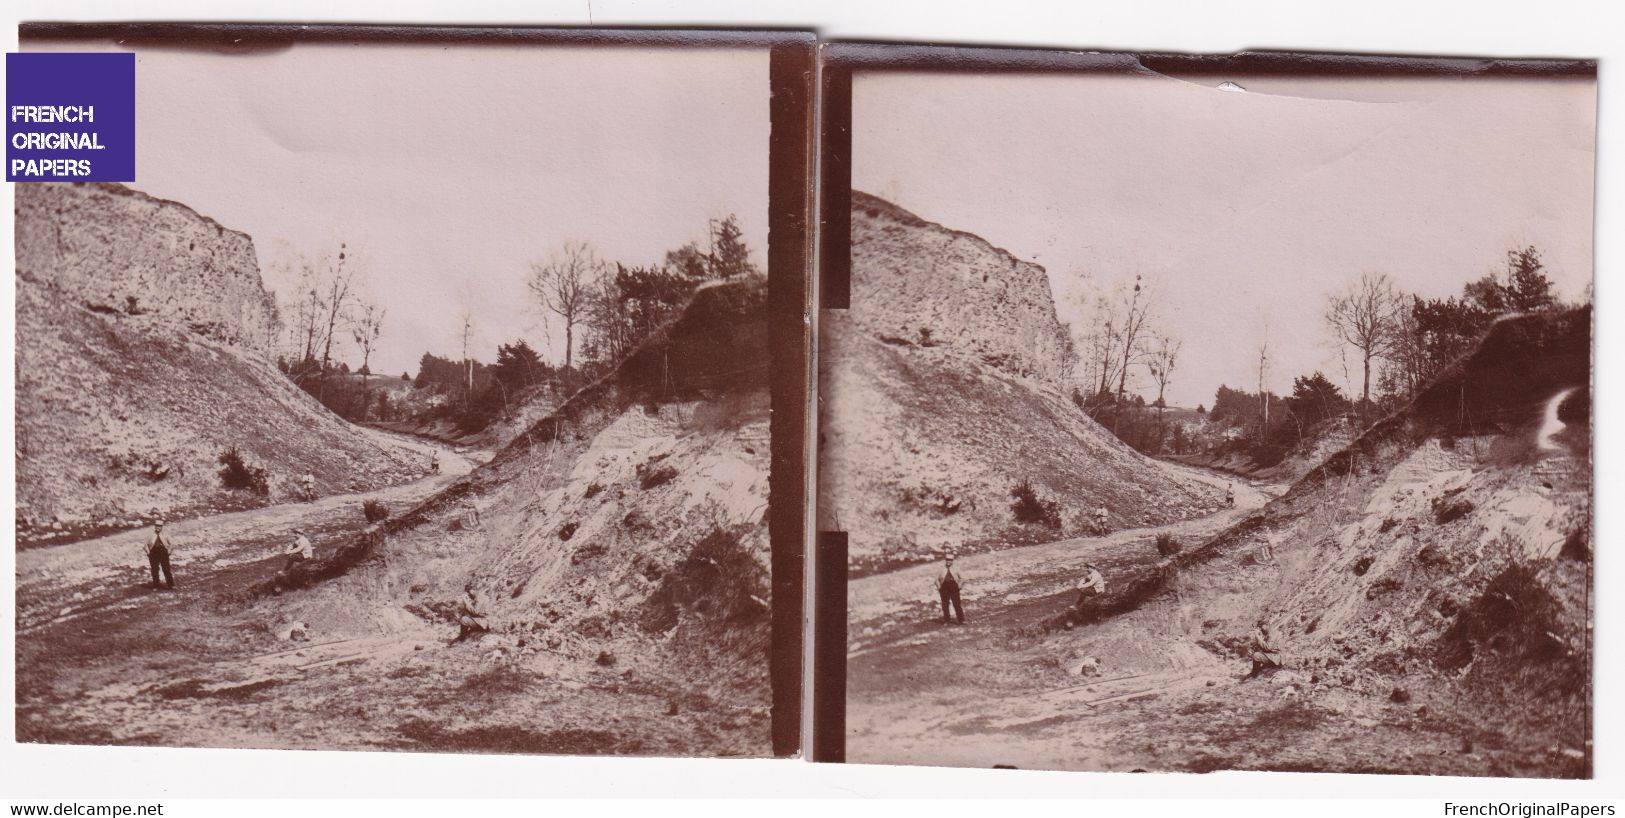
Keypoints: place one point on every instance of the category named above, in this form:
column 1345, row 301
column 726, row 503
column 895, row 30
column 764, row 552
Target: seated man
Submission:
column 1093, row 585
column 473, row 619
column 1264, row 655
column 300, row 550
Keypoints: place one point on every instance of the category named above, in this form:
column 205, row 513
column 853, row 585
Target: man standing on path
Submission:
column 948, row 589
column 158, row 556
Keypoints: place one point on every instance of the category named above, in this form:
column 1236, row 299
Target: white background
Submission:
column 1507, row 29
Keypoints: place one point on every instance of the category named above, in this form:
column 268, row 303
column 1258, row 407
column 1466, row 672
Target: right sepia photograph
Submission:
column 1190, row 414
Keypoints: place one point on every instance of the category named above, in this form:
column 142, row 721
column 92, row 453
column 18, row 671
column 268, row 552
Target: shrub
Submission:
column 651, row 475
column 237, row 474
column 374, row 511
column 567, row 531
column 1168, row 545
column 718, row 582
column 1445, row 512
column 1030, row 508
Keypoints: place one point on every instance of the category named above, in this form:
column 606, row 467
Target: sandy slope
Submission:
column 121, row 418
column 1429, row 610
column 620, row 551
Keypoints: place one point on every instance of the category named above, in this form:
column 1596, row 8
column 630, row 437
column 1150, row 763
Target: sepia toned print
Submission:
column 415, row 396
column 1192, row 421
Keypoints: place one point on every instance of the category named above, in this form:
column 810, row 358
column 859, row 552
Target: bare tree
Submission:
column 1263, row 372
column 1364, row 317
column 1135, row 318
column 563, row 286
column 307, row 311
column 1164, row 357
column 1102, row 343
column 1406, row 354
column 335, row 299
column 468, row 362
column 366, row 323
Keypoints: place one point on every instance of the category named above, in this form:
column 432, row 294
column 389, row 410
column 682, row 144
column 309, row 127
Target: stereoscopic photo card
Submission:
column 1189, row 413
column 421, row 392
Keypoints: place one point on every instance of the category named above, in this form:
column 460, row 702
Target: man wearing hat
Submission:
column 158, row 556
column 948, row 589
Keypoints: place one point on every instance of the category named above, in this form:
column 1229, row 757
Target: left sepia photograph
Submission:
column 420, row 394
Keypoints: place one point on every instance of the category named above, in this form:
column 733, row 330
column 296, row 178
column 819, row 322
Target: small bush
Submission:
column 567, row 531
column 1168, row 545
column 374, row 511
column 1030, row 508
column 237, row 474
column 650, row 475
column 1449, row 512
column 592, row 491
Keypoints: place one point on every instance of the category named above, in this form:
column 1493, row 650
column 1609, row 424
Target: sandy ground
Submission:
column 1003, row 690
column 104, row 659
column 59, row 583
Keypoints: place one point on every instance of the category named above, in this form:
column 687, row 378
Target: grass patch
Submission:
column 236, row 474
column 1030, row 508
column 501, row 679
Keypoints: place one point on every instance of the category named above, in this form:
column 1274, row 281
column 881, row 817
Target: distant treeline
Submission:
column 1400, row 340
column 604, row 309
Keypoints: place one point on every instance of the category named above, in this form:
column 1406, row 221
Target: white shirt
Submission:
column 302, row 547
column 1093, row 580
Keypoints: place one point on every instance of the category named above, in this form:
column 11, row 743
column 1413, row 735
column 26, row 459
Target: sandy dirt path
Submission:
column 103, row 659
column 58, row 583
column 994, row 582
column 991, row 691
column 1005, row 690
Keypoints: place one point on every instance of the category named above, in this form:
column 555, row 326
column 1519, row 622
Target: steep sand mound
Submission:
column 620, row 541
column 941, row 391
column 137, row 330
column 1441, row 575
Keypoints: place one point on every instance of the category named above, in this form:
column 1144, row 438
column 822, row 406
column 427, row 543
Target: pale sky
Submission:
column 1241, row 208
column 447, row 170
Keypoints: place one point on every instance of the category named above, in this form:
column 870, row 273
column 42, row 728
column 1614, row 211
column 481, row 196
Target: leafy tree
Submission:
column 689, row 261
column 1438, row 331
column 729, row 255
column 629, row 306
column 1315, row 398
column 518, row 366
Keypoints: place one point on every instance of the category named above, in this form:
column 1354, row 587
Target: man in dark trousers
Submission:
column 948, row 589
column 158, row 556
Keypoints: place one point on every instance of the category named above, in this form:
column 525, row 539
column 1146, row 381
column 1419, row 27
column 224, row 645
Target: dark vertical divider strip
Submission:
column 789, row 262
column 829, row 650
column 835, row 190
